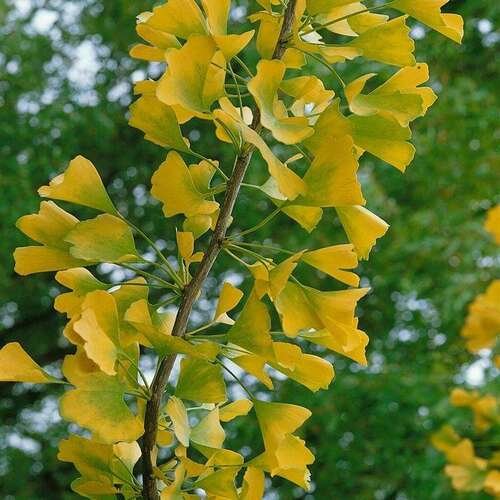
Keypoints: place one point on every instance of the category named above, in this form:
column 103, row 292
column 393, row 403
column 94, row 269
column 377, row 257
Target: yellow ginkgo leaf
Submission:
column 331, row 125
column 363, row 228
column 302, row 308
column 352, row 25
column 91, row 458
column 128, row 455
column 272, row 281
column 181, row 18
column 158, row 38
column 268, row 32
column 49, row 227
column 298, row 474
column 185, row 244
column 80, row 184
column 17, row 366
column 231, row 45
column 333, row 261
column 157, row 330
column 178, row 415
column 354, row 348
column 398, row 98
column 384, row 138
column 98, row 327
column 174, row 186
column 366, row 20
column 80, row 281
column 289, row 184
column 307, row 217
column 158, row 122
column 389, row 43
column 200, row 381
column 235, row 409
column 331, row 179
column 103, row 239
column 277, row 422
column 264, row 87
column 229, row 298
column 254, row 365
column 108, row 418
column 253, row 484
column 198, row 224
column 309, row 93
column 251, row 330
column 173, row 490
column 315, row 7
column 492, row 223
column 208, row 433
column 164, row 438
column 147, row 53
column 39, row 259
column 195, row 76
column 429, row 12
column 311, row 371
column 148, row 88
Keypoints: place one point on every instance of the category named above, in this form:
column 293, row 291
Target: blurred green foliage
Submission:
column 65, row 84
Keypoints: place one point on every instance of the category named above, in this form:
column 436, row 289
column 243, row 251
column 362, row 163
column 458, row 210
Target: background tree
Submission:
column 424, row 272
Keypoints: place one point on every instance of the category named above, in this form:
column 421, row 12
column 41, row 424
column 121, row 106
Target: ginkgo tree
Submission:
column 311, row 140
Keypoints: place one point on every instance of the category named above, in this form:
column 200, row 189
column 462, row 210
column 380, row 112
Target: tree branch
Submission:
column 192, row 290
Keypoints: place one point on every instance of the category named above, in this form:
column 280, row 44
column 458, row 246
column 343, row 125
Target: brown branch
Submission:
column 191, row 292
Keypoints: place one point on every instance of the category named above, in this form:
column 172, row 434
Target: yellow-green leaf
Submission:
column 158, row 122
column 235, row 409
column 81, row 282
column 251, row 330
column 354, row 348
column 287, row 181
column 384, row 138
column 98, row 327
column 103, row 239
column 200, row 381
column 174, row 186
column 17, row 366
column 264, row 88
column 80, row 184
column 178, row 414
column 429, row 12
column 399, row 97
column 302, row 308
column 181, row 18
column 268, row 33
column 49, row 227
column 191, row 80
column 208, row 433
column 91, row 458
column 97, row 402
column 331, row 180
column 389, row 43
